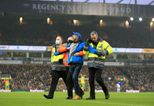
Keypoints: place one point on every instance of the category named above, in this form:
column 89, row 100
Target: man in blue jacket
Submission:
column 76, row 62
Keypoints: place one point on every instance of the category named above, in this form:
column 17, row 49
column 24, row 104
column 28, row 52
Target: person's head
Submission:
column 70, row 39
column 94, row 36
column 76, row 36
column 58, row 40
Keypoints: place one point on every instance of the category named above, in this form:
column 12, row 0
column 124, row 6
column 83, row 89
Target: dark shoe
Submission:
column 90, row 98
column 48, row 97
column 82, row 95
column 107, row 96
column 68, row 98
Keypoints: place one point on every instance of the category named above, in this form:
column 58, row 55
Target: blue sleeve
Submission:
column 80, row 47
column 57, row 53
column 92, row 50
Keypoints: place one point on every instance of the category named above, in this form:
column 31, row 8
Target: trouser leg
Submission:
column 101, row 82
column 92, row 82
column 67, row 82
column 55, row 78
column 75, row 70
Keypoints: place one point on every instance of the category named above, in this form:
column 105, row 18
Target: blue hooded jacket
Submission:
column 79, row 47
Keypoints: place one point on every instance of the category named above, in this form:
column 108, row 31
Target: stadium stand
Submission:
column 26, row 77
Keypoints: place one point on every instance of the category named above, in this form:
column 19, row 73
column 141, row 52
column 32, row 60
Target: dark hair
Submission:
column 94, row 32
column 60, row 37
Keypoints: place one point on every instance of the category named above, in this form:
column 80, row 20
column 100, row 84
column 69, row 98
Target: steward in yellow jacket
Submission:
column 95, row 63
column 58, row 69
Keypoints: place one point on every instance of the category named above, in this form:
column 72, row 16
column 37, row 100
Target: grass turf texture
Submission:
column 37, row 99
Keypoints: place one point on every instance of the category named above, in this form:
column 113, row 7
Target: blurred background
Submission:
column 28, row 29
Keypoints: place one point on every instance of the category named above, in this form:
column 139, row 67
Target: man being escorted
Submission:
column 75, row 59
column 95, row 63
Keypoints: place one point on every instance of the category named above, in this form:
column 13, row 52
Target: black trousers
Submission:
column 95, row 73
column 55, row 77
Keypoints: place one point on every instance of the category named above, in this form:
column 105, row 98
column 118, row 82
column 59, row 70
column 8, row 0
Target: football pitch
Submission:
column 36, row 99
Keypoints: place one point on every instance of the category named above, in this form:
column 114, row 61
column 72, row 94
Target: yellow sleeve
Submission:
column 107, row 47
column 86, row 53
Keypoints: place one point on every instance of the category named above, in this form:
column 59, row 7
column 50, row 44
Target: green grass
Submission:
column 36, row 99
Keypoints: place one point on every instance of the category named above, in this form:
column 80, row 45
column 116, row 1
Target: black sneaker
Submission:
column 48, row 97
column 69, row 98
column 107, row 96
column 82, row 95
column 90, row 98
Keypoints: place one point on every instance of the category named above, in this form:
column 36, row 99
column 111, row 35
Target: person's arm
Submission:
column 62, row 50
column 107, row 48
column 95, row 51
column 92, row 50
column 81, row 53
column 79, row 48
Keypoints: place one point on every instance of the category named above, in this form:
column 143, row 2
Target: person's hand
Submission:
column 85, row 48
column 76, row 54
column 100, row 54
column 68, row 48
column 89, row 40
column 56, row 53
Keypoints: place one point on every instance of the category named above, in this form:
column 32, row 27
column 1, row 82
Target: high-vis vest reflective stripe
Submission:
column 101, row 46
column 55, row 58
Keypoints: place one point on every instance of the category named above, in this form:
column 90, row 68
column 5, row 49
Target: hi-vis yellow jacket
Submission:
column 57, row 57
column 101, row 46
